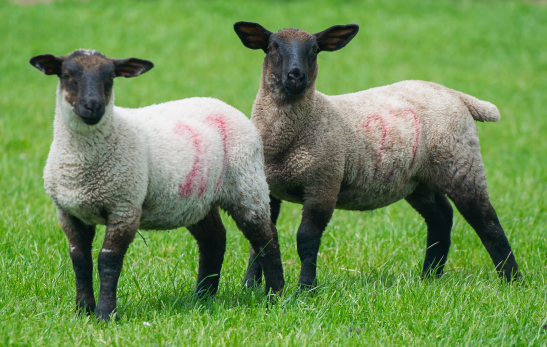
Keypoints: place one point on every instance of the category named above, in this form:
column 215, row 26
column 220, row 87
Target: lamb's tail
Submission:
column 482, row 111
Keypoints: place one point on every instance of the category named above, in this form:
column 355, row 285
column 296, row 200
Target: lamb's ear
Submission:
column 48, row 63
column 336, row 37
column 253, row 35
column 131, row 67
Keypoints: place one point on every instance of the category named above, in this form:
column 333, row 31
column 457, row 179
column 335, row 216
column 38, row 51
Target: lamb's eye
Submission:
column 66, row 76
column 270, row 49
column 316, row 50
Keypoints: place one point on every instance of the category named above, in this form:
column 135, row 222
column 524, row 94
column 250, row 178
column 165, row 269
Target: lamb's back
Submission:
column 434, row 105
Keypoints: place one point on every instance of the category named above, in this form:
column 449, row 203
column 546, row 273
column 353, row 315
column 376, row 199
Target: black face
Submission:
column 87, row 77
column 88, row 82
column 291, row 54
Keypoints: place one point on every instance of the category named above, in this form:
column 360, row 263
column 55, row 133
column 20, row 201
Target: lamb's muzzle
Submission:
column 412, row 140
column 158, row 167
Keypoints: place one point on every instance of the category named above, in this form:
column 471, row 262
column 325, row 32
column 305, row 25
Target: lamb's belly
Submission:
column 353, row 198
column 292, row 194
column 167, row 214
column 91, row 215
column 373, row 197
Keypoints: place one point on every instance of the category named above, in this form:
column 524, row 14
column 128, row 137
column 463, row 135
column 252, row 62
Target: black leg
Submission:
column 315, row 217
column 463, row 179
column 262, row 235
column 211, row 238
column 120, row 232
column 479, row 213
column 437, row 212
column 80, row 238
column 275, row 208
column 254, row 270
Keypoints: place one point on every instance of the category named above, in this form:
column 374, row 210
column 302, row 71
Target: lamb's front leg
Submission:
column 80, row 238
column 120, row 232
column 316, row 214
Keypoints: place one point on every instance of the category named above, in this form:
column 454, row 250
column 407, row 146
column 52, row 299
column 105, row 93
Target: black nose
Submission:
column 295, row 75
column 90, row 111
column 93, row 106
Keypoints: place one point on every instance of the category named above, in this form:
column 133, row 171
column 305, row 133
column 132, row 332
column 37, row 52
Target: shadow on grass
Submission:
column 184, row 301
column 232, row 295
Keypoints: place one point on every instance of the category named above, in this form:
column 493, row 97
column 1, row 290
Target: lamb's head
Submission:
column 86, row 78
column 291, row 54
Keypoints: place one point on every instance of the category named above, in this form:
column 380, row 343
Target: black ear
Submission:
column 131, row 67
column 48, row 63
column 253, row 35
column 336, row 37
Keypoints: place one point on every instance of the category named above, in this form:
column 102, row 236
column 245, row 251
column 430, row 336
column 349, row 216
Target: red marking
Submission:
column 376, row 118
column 188, row 189
column 219, row 121
column 416, row 136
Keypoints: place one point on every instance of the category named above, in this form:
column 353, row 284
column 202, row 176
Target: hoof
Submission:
column 253, row 283
column 308, row 286
column 104, row 313
column 273, row 290
column 85, row 305
column 84, row 310
column 205, row 293
column 510, row 277
column 430, row 275
column 103, row 318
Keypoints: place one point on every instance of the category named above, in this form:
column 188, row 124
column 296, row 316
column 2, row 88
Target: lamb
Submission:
column 411, row 140
column 158, row 167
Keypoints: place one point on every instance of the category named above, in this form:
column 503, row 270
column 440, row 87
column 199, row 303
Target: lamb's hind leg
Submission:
column 254, row 270
column 483, row 218
column 211, row 238
column 437, row 212
column 80, row 238
column 262, row 234
column 469, row 194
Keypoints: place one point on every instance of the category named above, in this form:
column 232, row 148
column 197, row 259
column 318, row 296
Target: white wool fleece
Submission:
column 174, row 160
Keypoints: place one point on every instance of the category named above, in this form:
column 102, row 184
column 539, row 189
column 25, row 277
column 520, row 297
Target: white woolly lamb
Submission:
column 157, row 167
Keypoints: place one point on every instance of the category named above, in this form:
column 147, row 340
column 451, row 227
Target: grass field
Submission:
column 369, row 264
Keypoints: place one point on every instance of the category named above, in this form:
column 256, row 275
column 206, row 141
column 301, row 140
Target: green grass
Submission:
column 369, row 263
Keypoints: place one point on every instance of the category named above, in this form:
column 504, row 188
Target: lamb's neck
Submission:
column 280, row 119
column 70, row 130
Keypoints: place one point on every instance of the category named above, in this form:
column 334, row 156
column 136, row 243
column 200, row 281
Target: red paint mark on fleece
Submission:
column 376, row 118
column 416, row 136
column 219, row 121
column 188, row 188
